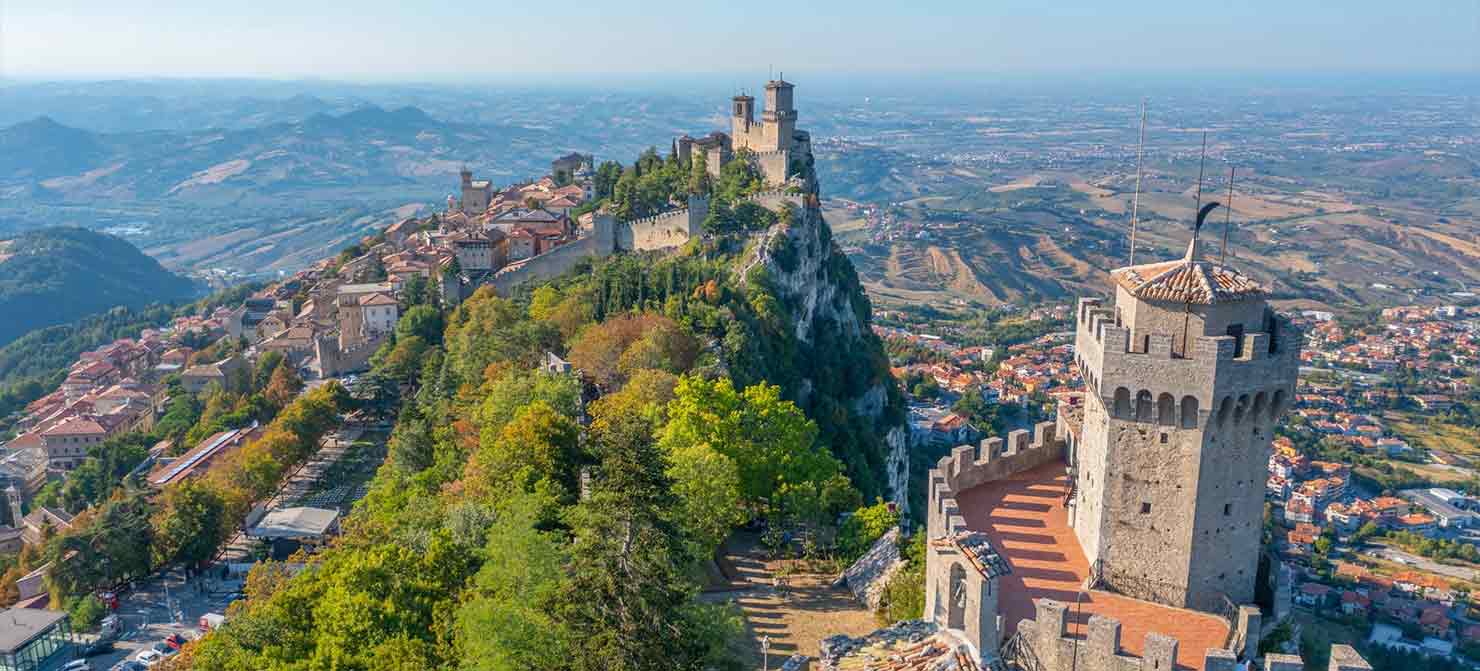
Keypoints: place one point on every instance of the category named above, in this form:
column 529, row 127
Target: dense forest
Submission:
column 57, row 275
column 527, row 519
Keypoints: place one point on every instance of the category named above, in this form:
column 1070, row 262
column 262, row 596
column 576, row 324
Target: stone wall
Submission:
column 945, row 568
column 664, row 231
column 1048, row 644
column 1170, row 467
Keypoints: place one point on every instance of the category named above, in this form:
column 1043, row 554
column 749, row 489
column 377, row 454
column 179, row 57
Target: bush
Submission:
column 86, row 612
column 865, row 526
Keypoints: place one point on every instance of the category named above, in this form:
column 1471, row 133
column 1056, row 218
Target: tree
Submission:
column 626, row 592
column 708, row 485
column 266, row 365
column 283, row 386
column 423, row 321
column 411, row 447
column 508, row 622
column 188, row 526
column 770, row 440
column 537, row 445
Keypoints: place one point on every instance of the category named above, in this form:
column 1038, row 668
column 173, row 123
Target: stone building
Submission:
column 476, row 193
column 1188, row 373
column 779, row 150
column 1125, row 535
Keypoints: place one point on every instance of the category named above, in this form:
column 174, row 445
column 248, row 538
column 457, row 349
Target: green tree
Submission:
column 423, row 321
column 188, row 525
column 508, row 620
column 538, row 445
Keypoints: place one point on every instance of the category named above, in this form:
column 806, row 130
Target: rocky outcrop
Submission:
column 841, row 363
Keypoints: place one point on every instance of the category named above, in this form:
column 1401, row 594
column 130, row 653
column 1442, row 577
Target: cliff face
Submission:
column 843, row 370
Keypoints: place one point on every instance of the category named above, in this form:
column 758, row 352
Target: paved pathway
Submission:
column 1025, row 517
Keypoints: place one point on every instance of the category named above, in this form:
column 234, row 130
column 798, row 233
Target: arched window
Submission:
column 1189, row 412
column 1166, row 409
column 1144, row 406
column 1122, row 403
column 1277, row 406
column 956, row 595
column 1224, row 409
column 1258, row 406
column 1241, row 409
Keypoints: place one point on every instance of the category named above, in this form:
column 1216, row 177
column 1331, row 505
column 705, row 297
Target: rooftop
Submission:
column 19, row 625
column 1025, row 519
column 1187, row 280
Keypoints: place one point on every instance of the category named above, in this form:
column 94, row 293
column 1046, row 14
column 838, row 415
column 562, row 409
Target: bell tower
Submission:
column 1187, row 373
column 13, row 501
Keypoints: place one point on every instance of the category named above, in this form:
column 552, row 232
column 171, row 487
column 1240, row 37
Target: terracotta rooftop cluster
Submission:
column 914, row 645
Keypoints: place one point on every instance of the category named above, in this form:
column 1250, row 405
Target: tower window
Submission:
column 1145, row 508
column 1227, row 509
column 1163, row 439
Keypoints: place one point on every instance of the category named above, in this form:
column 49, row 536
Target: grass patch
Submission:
column 1436, row 435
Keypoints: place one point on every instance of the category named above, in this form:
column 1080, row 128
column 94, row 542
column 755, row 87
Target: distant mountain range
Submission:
column 56, row 275
column 369, row 147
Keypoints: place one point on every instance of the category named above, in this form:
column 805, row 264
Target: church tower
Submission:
column 13, row 500
column 1187, row 373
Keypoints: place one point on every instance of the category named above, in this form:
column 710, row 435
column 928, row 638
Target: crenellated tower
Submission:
column 1187, row 374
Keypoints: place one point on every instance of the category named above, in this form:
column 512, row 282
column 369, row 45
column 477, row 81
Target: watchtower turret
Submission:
column 1187, row 374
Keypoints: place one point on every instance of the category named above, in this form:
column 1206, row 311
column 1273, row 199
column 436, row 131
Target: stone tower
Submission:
column 742, row 115
column 1186, row 375
column 13, row 501
column 780, row 118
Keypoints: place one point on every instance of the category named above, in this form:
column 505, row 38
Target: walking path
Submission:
column 794, row 615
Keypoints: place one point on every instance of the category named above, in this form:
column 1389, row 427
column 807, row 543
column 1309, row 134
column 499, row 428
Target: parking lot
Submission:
column 166, row 605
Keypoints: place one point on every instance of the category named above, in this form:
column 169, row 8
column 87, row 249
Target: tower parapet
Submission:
column 1187, row 374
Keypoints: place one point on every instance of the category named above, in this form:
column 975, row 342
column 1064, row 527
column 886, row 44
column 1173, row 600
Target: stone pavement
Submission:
column 1025, row 517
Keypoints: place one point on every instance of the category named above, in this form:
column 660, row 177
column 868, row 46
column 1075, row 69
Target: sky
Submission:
column 438, row 40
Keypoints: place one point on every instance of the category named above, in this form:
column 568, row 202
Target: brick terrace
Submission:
column 1027, row 521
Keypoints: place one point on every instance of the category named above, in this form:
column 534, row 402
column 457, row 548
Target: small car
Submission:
column 148, row 657
column 77, row 665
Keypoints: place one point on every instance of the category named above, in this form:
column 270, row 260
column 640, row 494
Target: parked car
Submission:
column 101, row 646
column 148, row 657
column 175, row 641
column 128, row 665
column 165, row 649
column 77, row 665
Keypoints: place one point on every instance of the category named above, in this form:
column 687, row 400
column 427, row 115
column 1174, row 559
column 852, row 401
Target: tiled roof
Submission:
column 1187, row 281
column 976, row 546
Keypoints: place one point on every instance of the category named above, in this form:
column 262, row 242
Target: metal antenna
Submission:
column 1200, row 163
column 1136, row 200
column 1227, row 219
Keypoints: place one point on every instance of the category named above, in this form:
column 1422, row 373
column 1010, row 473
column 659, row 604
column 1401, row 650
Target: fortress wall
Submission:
column 773, row 164
column 775, row 199
column 1047, row 636
column 662, row 231
column 993, row 459
column 551, row 264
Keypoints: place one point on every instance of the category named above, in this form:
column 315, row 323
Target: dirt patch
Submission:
column 793, row 616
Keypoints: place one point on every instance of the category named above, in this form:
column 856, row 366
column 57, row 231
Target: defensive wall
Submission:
column 668, row 230
column 1045, row 646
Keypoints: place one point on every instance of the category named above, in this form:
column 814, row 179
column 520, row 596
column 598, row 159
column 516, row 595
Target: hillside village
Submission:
column 1359, row 515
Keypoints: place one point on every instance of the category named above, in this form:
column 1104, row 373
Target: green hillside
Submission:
column 56, row 275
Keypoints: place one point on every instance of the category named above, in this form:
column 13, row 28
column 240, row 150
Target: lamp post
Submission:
column 765, row 653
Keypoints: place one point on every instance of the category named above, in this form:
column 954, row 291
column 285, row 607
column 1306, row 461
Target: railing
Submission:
column 1225, row 608
column 1017, row 654
column 1135, row 587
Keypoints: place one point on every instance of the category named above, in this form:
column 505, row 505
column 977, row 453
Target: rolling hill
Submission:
column 56, row 275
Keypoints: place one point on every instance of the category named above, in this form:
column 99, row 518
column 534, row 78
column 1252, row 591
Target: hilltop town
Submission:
column 1180, row 476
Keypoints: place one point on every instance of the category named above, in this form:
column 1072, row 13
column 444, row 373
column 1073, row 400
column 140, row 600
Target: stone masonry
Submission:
column 1185, row 386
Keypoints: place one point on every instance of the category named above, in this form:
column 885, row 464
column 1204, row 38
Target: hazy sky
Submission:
column 481, row 39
